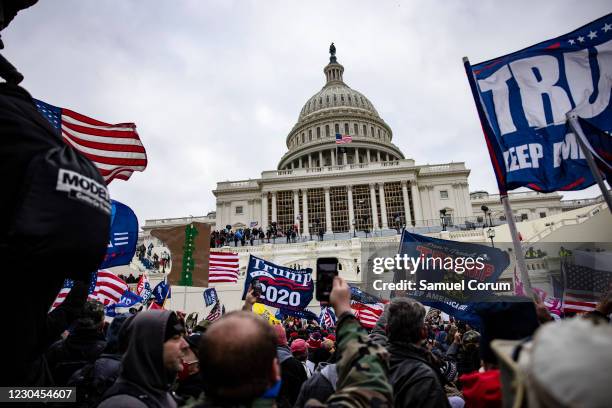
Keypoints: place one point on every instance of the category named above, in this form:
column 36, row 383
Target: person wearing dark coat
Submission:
column 320, row 386
column 149, row 368
column 415, row 379
column 189, row 380
column 94, row 379
column 293, row 374
column 40, row 224
column 84, row 344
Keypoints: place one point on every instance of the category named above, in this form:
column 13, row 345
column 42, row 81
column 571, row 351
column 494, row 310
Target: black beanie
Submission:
column 173, row 327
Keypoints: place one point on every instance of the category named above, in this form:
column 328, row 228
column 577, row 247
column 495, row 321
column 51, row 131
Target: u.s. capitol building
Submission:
column 365, row 185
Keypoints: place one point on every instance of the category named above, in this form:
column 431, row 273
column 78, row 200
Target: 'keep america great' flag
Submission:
column 523, row 98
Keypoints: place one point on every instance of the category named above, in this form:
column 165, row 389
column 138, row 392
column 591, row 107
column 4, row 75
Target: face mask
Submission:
column 184, row 373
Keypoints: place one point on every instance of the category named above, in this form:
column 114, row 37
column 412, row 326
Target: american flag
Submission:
column 367, row 314
column 108, row 288
column 341, row 139
column 223, row 267
column 584, row 286
column 116, row 150
column 215, row 313
column 327, row 317
column 64, row 291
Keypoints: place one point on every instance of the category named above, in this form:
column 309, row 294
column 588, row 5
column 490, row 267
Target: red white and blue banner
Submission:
column 282, row 287
column 523, row 98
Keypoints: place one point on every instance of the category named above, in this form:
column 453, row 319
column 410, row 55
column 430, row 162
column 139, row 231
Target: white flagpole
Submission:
column 516, row 244
column 582, row 142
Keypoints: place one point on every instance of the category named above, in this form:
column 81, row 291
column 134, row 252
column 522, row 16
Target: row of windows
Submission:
column 337, row 100
column 356, row 130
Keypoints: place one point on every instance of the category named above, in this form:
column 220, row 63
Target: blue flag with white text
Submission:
column 210, row 296
column 522, row 101
column 282, row 287
column 123, row 236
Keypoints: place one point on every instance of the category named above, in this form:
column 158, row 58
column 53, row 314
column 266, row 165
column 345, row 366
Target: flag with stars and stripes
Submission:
column 215, row 313
column 327, row 318
column 104, row 287
column 367, row 314
column 587, row 279
column 523, row 100
column 342, row 139
column 116, row 150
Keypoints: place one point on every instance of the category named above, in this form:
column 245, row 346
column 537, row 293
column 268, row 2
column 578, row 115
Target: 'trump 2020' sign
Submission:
column 523, row 99
column 282, row 287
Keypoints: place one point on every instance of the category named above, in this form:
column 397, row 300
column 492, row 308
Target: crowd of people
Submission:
column 411, row 358
column 252, row 236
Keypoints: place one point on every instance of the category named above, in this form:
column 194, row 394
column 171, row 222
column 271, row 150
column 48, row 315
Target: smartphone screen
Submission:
column 327, row 269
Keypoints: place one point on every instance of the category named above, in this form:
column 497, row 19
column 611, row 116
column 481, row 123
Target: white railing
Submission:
column 553, row 226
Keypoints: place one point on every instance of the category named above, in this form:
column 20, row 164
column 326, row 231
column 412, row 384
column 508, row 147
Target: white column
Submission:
column 300, row 163
column 356, row 156
column 408, row 218
column 328, row 219
column 373, row 205
column 387, row 154
column 349, row 190
column 305, row 211
column 459, row 207
column 344, row 161
column 416, row 202
column 296, row 209
column 321, row 162
column 274, row 207
column 432, row 203
column 378, row 154
column 309, row 161
column 264, row 211
column 333, row 157
column 383, row 206
column 465, row 196
column 368, row 155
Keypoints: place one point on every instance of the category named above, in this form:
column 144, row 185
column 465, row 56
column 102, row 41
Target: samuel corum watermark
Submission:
column 474, row 271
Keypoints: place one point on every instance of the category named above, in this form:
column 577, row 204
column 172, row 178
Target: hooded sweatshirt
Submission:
column 142, row 369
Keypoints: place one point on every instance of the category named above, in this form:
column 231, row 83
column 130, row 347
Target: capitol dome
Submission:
column 338, row 109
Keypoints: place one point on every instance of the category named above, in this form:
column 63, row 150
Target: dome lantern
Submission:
column 333, row 71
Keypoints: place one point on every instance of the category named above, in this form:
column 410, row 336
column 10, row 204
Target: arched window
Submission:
column 326, row 130
column 342, row 98
column 309, row 134
column 337, row 128
column 365, row 130
column 303, row 137
column 379, row 133
column 346, row 129
column 318, row 132
column 349, row 99
column 356, row 128
column 372, row 129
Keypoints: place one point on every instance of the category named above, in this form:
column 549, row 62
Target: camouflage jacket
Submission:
column 362, row 373
column 362, row 370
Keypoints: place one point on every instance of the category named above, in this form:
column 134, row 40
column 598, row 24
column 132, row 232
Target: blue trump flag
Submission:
column 210, row 296
column 161, row 291
column 523, row 99
column 282, row 287
column 449, row 275
column 123, row 236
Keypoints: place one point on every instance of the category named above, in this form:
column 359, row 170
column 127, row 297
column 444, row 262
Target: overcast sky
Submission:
column 215, row 86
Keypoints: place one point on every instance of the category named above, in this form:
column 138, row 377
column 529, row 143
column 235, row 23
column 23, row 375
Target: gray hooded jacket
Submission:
column 143, row 380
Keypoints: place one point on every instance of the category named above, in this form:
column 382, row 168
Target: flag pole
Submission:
column 582, row 142
column 516, row 244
